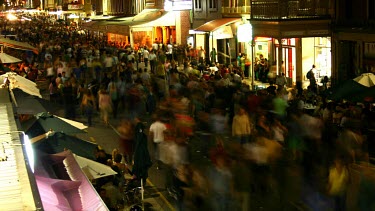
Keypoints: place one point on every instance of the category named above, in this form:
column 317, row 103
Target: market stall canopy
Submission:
column 63, row 185
column 44, row 122
column 17, row 81
column 359, row 89
column 6, row 58
column 17, row 45
column 58, row 142
column 16, row 184
column 366, row 79
column 346, row 90
column 366, row 96
column 93, row 169
column 27, row 104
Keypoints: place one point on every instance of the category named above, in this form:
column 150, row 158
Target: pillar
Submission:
column 298, row 68
column 335, row 58
column 280, row 57
column 165, row 35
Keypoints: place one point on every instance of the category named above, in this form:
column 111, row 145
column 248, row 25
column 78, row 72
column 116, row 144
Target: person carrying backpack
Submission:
column 311, row 76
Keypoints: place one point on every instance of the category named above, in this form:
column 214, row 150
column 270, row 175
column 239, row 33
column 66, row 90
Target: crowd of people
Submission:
column 278, row 142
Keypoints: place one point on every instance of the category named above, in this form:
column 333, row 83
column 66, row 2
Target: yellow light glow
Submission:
column 11, row 17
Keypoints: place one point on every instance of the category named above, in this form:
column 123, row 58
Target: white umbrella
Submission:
column 17, row 81
column 366, row 79
column 6, row 58
column 93, row 169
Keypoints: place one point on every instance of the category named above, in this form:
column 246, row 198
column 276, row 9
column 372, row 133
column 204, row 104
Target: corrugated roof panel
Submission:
column 15, row 186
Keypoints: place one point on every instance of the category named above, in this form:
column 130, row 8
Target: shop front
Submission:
column 293, row 48
column 162, row 30
column 218, row 34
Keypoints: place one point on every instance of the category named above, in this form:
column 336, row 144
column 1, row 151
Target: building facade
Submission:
column 353, row 47
column 292, row 34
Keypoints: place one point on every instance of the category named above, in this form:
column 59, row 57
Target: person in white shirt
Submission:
column 108, row 63
column 155, row 45
column 131, row 57
column 169, row 52
column 157, row 130
column 153, row 62
column 146, row 53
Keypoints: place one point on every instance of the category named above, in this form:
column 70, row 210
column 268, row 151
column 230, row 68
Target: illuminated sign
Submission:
column 244, row 32
column 224, row 32
column 176, row 5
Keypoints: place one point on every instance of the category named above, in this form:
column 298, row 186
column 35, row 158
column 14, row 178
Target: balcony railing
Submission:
column 236, row 10
column 289, row 9
column 353, row 23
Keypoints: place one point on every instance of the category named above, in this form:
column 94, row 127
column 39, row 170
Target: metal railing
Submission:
column 289, row 9
column 235, row 10
column 353, row 23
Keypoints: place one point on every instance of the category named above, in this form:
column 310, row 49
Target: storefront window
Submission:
column 323, row 56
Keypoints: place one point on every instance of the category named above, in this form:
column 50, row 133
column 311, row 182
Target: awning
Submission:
column 63, row 185
column 216, row 24
column 166, row 19
column 6, row 58
column 147, row 15
column 17, row 81
column 17, row 45
column 58, row 142
column 27, row 104
column 44, row 122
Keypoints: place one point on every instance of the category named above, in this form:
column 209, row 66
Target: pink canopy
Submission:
column 63, row 185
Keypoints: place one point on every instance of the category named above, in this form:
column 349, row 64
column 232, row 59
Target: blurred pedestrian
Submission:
column 104, row 105
column 142, row 160
column 88, row 106
column 114, row 93
column 126, row 141
column 156, row 134
column 241, row 126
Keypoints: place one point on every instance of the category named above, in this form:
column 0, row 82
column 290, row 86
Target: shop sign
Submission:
column 74, row 6
column 318, row 32
column 224, row 32
column 177, row 5
column 293, row 33
column 245, row 32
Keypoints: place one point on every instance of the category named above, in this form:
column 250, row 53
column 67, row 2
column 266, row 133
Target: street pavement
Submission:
column 156, row 195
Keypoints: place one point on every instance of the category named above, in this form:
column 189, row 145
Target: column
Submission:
column 298, row 68
column 165, row 36
column 280, row 57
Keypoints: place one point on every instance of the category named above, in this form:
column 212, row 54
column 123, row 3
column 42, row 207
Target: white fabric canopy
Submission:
column 6, row 58
column 366, row 79
column 76, row 124
column 17, row 81
column 93, row 169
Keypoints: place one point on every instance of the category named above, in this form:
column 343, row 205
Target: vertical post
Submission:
column 229, row 53
column 252, row 44
column 280, row 57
